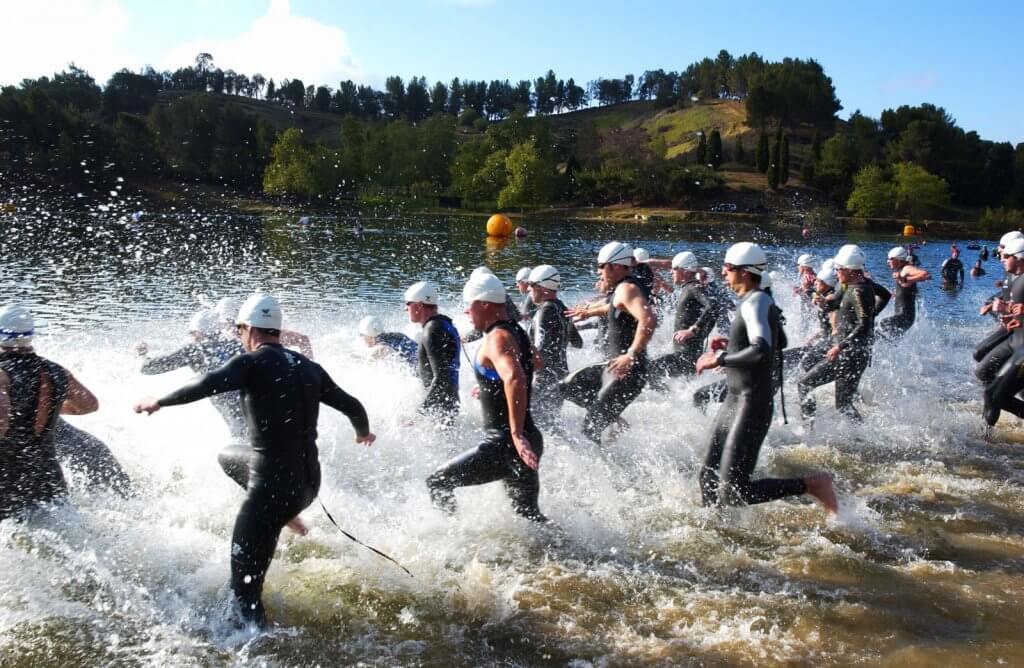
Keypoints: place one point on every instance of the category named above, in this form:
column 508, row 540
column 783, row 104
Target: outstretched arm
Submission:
column 228, row 378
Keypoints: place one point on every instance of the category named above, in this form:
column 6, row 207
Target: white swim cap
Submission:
column 709, row 273
column 1010, row 236
column 204, row 321
column 828, row 277
column 260, row 310
column 523, row 275
column 423, row 292
column 616, row 252
column 749, row 256
column 370, row 326
column 899, row 253
column 805, row 260
column 851, row 256
column 685, row 260
column 16, row 327
column 481, row 271
column 641, row 255
column 1014, row 247
column 227, row 309
column 484, row 288
column 827, row 266
column 546, row 276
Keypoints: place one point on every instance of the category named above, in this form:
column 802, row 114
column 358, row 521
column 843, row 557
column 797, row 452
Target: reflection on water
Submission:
column 924, row 566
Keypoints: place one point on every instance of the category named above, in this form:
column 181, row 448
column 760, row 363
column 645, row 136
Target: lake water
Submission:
column 923, row 566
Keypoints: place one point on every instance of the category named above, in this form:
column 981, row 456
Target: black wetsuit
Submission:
column 692, row 309
column 997, row 348
column 439, row 364
column 513, row 315
column 855, row 338
column 905, row 311
column 550, row 333
column 281, row 392
column 29, row 471
column 83, row 451
column 722, row 302
column 743, row 420
column 952, row 271
column 882, row 295
column 496, row 457
column 406, row 349
column 595, row 388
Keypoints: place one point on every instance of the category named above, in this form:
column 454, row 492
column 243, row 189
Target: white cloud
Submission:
column 278, row 44
column 42, row 36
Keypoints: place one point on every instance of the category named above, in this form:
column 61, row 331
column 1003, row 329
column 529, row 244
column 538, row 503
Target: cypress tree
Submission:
column 773, row 167
column 739, row 149
column 762, row 153
column 702, row 149
column 784, row 160
column 713, row 152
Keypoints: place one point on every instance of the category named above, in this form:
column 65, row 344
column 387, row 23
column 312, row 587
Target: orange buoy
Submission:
column 909, row 231
column 499, row 225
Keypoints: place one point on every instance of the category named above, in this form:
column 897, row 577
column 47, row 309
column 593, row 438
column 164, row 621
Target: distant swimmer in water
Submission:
column 606, row 389
column 388, row 344
column 504, row 368
column 281, row 395
column 977, row 270
column 34, row 392
column 952, row 270
column 906, row 277
column 749, row 357
column 438, row 353
column 850, row 354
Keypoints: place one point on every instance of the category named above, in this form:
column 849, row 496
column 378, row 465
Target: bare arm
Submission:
column 630, row 298
column 502, row 352
column 910, row 275
column 80, row 400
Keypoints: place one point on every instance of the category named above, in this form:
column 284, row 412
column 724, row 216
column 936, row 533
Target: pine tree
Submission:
column 762, row 153
column 740, row 154
column 713, row 153
column 784, row 160
column 702, row 149
column 773, row 167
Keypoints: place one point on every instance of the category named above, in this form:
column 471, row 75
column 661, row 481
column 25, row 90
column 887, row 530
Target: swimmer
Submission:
column 504, row 368
column 34, row 392
column 952, row 270
column 383, row 343
column 281, row 393
column 605, row 390
column 850, row 354
column 526, row 308
column 695, row 317
column 748, row 357
column 551, row 333
column 512, row 310
column 906, row 277
column 438, row 353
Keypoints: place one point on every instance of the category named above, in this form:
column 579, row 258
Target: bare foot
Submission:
column 297, row 526
column 820, row 487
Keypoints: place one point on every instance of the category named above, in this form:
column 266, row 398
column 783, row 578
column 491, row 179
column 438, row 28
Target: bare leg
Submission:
column 298, row 526
column 820, row 487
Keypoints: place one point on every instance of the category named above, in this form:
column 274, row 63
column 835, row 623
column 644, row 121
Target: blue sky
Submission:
column 966, row 58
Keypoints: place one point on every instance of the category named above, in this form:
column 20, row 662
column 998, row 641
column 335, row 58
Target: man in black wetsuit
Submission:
column 952, row 270
column 526, row 307
column 504, row 368
column 383, row 343
column 510, row 305
column 742, row 423
column 606, row 389
column 281, row 393
column 551, row 334
column 438, row 352
column 695, row 317
column 34, row 392
column 907, row 277
column 850, row 354
column 997, row 348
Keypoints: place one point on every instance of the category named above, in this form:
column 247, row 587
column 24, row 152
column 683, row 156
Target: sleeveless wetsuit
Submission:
column 406, row 349
column 439, row 367
column 692, row 308
column 597, row 390
column 281, row 393
column 905, row 310
column 29, row 471
column 855, row 338
column 496, row 457
column 743, row 420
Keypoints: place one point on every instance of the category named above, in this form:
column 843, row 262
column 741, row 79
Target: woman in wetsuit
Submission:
column 33, row 393
column 281, row 394
column 742, row 423
column 605, row 390
column 504, row 368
